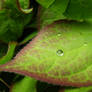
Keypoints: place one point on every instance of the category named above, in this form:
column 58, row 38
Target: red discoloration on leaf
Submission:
column 43, row 63
column 45, row 78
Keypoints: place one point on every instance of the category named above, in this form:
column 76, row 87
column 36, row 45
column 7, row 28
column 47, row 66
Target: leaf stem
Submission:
column 29, row 37
column 4, row 83
column 9, row 54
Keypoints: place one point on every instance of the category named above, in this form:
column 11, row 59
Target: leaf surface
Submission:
column 45, row 3
column 60, row 54
column 79, row 9
column 53, row 13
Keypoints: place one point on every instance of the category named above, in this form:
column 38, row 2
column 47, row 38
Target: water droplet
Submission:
column 85, row 44
column 59, row 34
column 60, row 53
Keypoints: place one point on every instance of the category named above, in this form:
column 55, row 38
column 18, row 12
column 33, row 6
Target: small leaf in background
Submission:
column 12, row 21
column 45, row 3
column 53, row 13
column 27, row 84
column 79, row 9
column 60, row 54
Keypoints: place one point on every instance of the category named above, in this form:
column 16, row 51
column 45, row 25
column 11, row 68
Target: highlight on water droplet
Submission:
column 60, row 53
column 59, row 34
column 85, row 44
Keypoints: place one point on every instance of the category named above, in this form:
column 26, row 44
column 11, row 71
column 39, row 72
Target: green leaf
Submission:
column 27, row 84
column 60, row 54
column 45, row 3
column 79, row 9
column 12, row 21
column 53, row 13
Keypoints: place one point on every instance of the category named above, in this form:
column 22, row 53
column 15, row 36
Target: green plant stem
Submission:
column 28, row 38
column 27, row 84
column 9, row 53
column 4, row 83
